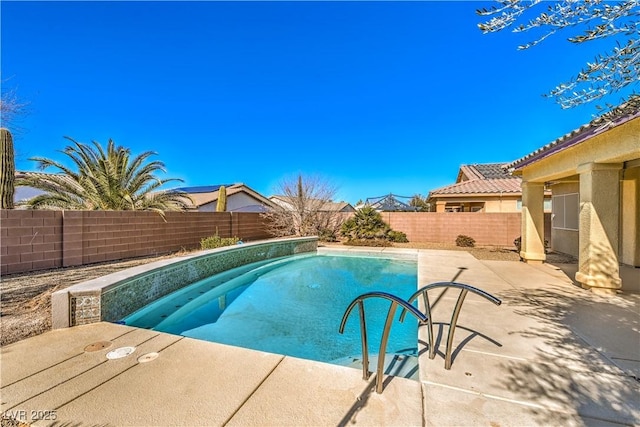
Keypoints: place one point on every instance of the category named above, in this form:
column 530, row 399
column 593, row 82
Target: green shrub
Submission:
column 366, row 225
column 327, row 235
column 218, row 242
column 397, row 236
column 465, row 241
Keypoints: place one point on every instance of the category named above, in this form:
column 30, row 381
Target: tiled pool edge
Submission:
column 111, row 297
column 359, row 251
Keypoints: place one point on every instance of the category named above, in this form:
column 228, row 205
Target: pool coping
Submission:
column 385, row 252
column 86, row 298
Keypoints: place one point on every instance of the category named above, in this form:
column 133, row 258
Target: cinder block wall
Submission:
column 500, row 228
column 249, row 226
column 35, row 240
column 30, row 240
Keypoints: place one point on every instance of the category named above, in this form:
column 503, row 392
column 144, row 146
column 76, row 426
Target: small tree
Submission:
column 11, row 108
column 103, row 180
column 419, row 202
column 304, row 208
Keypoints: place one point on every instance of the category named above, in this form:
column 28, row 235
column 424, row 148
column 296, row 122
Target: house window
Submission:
column 565, row 211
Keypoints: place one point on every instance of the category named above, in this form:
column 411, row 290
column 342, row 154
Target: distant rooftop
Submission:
column 202, row 188
column 487, row 178
column 483, row 171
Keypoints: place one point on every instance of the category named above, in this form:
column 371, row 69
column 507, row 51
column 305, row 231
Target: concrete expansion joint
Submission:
column 489, row 396
column 503, row 356
column 96, row 386
column 253, row 392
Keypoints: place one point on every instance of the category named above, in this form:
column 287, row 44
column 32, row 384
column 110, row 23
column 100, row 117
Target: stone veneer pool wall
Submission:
column 112, row 297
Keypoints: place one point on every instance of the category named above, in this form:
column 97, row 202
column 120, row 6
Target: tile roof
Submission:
column 483, row 171
column 482, row 186
column 617, row 116
column 487, row 178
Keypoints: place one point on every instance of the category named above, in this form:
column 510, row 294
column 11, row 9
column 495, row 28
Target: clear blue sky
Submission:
column 377, row 97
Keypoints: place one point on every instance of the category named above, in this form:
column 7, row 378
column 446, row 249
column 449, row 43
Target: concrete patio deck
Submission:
column 551, row 354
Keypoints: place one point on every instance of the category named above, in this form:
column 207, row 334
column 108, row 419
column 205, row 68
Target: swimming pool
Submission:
column 291, row 305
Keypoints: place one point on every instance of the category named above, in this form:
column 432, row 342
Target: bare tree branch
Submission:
column 610, row 72
column 11, row 109
column 304, row 207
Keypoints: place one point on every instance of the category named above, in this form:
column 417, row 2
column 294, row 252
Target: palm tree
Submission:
column 108, row 180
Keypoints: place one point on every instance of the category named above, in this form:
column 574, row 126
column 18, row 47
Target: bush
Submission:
column 397, row 236
column 465, row 241
column 367, row 226
column 518, row 243
column 327, row 235
column 216, row 241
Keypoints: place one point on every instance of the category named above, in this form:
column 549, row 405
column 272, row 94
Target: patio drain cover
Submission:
column 148, row 357
column 121, row 352
column 100, row 345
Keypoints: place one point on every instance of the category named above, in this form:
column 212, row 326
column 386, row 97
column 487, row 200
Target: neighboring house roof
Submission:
column 339, row 207
column 489, row 178
column 287, row 202
column 205, row 194
column 619, row 115
column 481, row 186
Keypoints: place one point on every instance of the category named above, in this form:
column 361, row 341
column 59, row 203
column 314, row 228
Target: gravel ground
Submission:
column 25, row 299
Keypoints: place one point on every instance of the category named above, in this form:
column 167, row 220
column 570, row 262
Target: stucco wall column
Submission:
column 532, row 244
column 630, row 223
column 599, row 227
column 440, row 205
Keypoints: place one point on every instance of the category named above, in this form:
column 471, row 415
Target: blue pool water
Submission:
column 290, row 306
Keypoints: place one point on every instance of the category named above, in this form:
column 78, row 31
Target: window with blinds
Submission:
column 566, row 208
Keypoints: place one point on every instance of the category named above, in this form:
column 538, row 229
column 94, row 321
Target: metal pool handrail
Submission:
column 395, row 301
column 464, row 289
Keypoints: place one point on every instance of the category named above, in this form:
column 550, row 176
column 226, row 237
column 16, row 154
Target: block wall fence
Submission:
column 486, row 228
column 34, row 240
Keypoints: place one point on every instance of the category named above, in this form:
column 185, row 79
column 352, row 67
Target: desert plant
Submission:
column 327, row 235
column 216, row 241
column 8, row 171
column 465, row 241
column 303, row 207
column 518, row 243
column 397, row 236
column 104, row 180
column 222, row 199
column 367, row 225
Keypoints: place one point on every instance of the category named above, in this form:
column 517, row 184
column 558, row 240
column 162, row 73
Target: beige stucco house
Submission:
column 594, row 175
column 240, row 198
column 481, row 188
